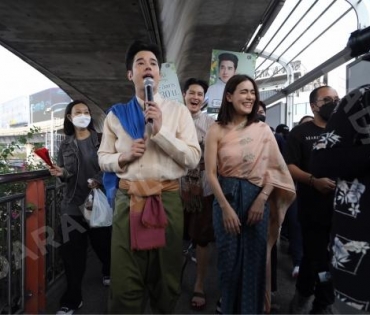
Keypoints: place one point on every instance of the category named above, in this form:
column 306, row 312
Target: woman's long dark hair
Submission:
column 227, row 111
column 69, row 128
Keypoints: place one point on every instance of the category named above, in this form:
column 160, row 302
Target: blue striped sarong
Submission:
column 241, row 258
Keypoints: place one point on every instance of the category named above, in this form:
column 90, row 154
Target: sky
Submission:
column 17, row 78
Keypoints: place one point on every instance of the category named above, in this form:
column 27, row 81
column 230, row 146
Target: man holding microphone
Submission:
column 149, row 150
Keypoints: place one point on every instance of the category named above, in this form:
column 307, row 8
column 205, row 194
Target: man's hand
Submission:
column 153, row 111
column 138, row 148
column 323, row 185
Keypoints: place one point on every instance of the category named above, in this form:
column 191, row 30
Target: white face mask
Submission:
column 81, row 121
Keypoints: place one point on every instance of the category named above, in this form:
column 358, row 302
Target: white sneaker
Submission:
column 106, row 281
column 295, row 272
column 67, row 310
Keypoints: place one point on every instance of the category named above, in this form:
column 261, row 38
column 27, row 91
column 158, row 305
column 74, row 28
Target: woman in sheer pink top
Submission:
column 253, row 188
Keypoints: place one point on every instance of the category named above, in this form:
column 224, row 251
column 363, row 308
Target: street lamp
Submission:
column 31, row 115
column 57, row 107
column 47, row 110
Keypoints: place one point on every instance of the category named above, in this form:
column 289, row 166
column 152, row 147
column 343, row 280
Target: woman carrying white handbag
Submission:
column 78, row 168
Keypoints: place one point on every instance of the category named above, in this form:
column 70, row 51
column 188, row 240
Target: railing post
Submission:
column 35, row 302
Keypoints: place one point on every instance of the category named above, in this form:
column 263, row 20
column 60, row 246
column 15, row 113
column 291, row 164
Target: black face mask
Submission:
column 261, row 118
column 326, row 110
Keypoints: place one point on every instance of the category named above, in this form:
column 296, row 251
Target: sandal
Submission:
column 197, row 305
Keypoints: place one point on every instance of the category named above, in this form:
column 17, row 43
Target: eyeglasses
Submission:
column 328, row 99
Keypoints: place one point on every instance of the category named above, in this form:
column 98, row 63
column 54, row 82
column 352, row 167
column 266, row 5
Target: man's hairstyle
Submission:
column 138, row 46
column 304, row 118
column 192, row 81
column 313, row 94
column 227, row 110
column 263, row 105
column 69, row 128
column 229, row 57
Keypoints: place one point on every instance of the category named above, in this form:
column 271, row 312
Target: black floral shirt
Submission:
column 343, row 151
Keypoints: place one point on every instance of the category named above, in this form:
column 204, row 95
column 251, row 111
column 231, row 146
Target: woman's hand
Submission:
column 92, row 183
column 256, row 211
column 231, row 221
column 56, row 171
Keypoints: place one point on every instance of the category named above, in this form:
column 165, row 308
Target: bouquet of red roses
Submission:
column 43, row 153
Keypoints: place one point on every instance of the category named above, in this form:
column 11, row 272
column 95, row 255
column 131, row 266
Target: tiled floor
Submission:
column 96, row 295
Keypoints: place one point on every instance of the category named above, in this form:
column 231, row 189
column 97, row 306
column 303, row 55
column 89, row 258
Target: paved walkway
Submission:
column 96, row 295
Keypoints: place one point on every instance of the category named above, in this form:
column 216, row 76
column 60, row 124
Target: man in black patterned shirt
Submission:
column 314, row 198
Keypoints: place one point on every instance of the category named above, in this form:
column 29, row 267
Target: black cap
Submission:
column 284, row 129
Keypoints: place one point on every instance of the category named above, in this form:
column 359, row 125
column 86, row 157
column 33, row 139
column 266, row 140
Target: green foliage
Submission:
column 9, row 151
column 24, row 139
column 214, row 67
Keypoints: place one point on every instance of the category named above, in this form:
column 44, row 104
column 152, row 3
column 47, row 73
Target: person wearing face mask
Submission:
column 315, row 207
column 261, row 116
column 77, row 167
column 343, row 151
column 261, row 113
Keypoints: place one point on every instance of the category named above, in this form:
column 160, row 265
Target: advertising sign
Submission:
column 169, row 86
column 224, row 65
column 43, row 103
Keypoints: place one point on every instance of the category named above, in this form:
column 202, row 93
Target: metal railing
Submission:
column 54, row 264
column 29, row 256
column 12, row 234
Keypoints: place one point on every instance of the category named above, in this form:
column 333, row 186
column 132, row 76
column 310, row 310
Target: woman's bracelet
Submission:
column 265, row 193
column 311, row 179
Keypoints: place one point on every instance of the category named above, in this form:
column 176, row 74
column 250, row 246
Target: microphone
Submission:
column 148, row 86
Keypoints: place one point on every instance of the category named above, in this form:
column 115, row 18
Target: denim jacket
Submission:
column 68, row 159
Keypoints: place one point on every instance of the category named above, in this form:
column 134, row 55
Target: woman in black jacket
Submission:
column 78, row 168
